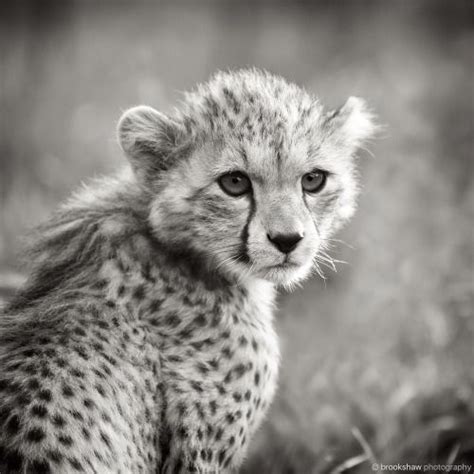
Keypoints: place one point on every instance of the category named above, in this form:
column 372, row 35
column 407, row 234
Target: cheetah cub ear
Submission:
column 148, row 138
column 352, row 124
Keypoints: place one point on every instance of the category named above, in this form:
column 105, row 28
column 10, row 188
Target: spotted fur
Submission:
column 143, row 340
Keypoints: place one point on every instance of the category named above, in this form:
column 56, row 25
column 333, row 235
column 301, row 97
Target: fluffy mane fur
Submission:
column 71, row 246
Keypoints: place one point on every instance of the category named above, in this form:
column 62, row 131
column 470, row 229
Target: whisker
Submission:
column 323, row 257
column 338, row 241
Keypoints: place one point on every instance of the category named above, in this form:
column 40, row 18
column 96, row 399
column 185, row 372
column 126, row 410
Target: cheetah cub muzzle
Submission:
column 143, row 339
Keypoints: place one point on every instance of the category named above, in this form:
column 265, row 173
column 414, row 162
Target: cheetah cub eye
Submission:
column 252, row 174
column 235, row 183
column 314, row 182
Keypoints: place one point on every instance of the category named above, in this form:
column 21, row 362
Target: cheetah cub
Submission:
column 143, row 340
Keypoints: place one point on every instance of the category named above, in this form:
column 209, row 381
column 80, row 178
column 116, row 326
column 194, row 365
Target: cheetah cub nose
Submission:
column 285, row 242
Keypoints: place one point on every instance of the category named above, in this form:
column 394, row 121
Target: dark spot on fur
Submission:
column 197, row 386
column 35, row 435
column 237, row 396
column 30, row 368
column 67, row 391
column 182, row 432
column 221, row 456
column 227, row 462
column 45, row 395
column 240, row 370
column 14, row 366
column 50, row 352
column 4, row 414
column 181, row 407
column 215, row 320
column 105, row 439
column 81, row 352
column 79, row 331
column 227, row 353
column 13, row 425
column 46, row 372
column 23, row 399
column 186, row 333
column 98, row 456
column 59, row 421
column 197, row 345
column 139, row 292
column 202, row 368
column 100, row 284
column 39, row 410
column 99, row 374
column 254, row 345
column 61, row 362
column 200, row 320
column 155, row 306
column 77, row 373
column 200, row 410
column 55, row 456
column 75, row 464
column 77, row 415
column 109, row 359
column 106, row 369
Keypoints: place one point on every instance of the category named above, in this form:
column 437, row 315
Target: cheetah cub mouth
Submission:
column 251, row 173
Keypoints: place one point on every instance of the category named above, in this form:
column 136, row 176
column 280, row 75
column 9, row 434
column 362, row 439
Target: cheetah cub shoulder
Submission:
column 143, row 340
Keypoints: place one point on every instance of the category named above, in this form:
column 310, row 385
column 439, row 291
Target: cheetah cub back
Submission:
column 143, row 340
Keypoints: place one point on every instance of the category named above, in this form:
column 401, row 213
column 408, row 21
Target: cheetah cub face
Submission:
column 252, row 173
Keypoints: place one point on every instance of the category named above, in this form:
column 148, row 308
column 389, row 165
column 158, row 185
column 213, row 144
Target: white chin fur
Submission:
column 288, row 278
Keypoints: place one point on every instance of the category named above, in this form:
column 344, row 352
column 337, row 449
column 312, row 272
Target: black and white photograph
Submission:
column 236, row 237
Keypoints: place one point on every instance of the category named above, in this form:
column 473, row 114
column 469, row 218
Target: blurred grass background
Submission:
column 378, row 359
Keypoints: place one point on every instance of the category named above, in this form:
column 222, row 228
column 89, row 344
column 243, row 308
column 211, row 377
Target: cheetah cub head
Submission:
column 251, row 173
